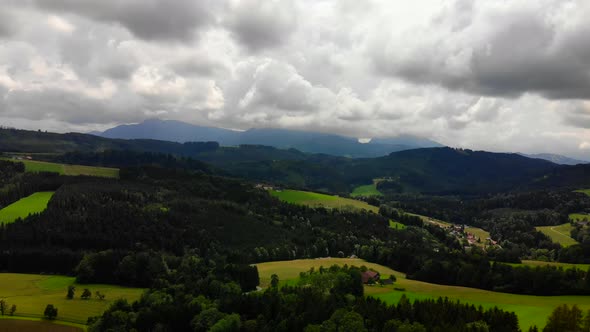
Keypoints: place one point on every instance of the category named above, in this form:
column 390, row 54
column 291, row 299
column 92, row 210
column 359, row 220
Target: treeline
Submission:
column 193, row 299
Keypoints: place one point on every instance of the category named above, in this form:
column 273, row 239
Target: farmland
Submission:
column 31, row 293
column 584, row 191
column 579, row 217
column 559, row 234
column 35, row 166
column 531, row 310
column 366, row 190
column 10, row 323
column 558, row 264
column 321, row 200
column 35, row 203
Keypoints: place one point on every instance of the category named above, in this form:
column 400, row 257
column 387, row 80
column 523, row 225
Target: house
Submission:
column 370, row 277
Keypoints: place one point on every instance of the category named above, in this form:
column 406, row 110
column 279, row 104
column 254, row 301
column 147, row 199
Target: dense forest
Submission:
column 217, row 222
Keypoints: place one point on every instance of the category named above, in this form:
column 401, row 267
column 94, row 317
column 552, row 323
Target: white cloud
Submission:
column 496, row 75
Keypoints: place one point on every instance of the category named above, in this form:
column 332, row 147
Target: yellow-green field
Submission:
column 584, row 191
column 72, row 170
column 32, row 292
column 366, row 190
column 396, row 225
column 559, row 234
column 478, row 232
column 558, row 264
column 26, row 324
column 579, row 217
column 35, row 203
column 321, row 200
column 531, row 310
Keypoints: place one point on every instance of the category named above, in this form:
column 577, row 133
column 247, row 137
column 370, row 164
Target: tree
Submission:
column 86, row 294
column 71, row 292
column 3, row 307
column 99, row 295
column 564, row 319
column 50, row 312
column 274, row 281
column 12, row 310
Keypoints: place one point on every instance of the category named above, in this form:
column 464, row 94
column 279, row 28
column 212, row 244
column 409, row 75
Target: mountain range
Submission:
column 311, row 142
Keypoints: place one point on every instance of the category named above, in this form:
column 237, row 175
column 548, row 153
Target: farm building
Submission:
column 370, row 277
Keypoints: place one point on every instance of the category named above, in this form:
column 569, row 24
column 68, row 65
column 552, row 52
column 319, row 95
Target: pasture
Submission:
column 12, row 324
column 579, row 217
column 35, row 166
column 531, row 310
column 396, row 225
column 478, row 232
column 584, row 191
column 557, row 264
column 366, row 191
column 31, row 293
column 321, row 200
column 35, row 203
column 559, row 234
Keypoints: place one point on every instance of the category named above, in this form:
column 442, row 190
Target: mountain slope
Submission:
column 311, row 142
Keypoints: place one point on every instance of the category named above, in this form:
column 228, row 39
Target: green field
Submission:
column 579, row 217
column 584, row 191
column 321, row 200
column 558, row 264
column 559, row 234
column 478, row 232
column 25, row 324
column 396, row 225
column 367, row 190
column 531, row 310
column 32, row 292
column 35, row 203
column 72, row 170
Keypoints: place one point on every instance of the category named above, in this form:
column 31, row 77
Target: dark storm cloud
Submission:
column 523, row 52
column 146, row 19
column 259, row 24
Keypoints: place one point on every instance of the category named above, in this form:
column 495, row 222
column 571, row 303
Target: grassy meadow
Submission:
column 531, row 310
column 72, row 170
column 32, row 292
column 366, row 190
column 396, row 225
column 35, row 203
column 584, row 191
column 579, row 217
column 557, row 264
column 478, row 232
column 17, row 324
column 321, row 200
column 559, row 234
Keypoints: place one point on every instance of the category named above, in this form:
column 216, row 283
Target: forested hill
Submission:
column 427, row 170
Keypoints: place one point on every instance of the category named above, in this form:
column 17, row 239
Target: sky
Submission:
column 497, row 75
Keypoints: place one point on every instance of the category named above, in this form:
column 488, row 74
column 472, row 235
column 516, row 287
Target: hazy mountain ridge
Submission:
column 555, row 158
column 312, row 142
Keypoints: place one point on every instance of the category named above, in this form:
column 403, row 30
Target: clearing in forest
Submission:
column 321, row 200
column 32, row 292
column 35, row 166
column 36, row 203
column 559, row 234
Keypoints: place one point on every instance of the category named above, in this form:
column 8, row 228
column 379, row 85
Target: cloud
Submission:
column 495, row 49
column 259, row 24
column 147, row 19
column 495, row 75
